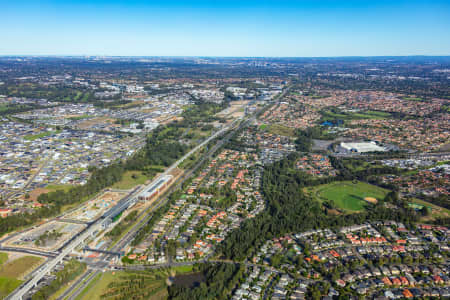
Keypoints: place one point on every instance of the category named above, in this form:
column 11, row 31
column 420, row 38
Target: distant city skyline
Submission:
column 225, row 28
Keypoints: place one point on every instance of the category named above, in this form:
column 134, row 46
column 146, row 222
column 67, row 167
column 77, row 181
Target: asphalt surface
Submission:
column 30, row 251
column 130, row 235
column 97, row 225
column 76, row 283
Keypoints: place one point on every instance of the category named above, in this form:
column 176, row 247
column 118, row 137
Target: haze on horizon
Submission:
column 225, row 28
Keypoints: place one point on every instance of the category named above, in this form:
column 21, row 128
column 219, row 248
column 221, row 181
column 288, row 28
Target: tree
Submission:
column 424, row 211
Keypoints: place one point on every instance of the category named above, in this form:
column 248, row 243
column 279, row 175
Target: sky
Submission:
column 261, row 28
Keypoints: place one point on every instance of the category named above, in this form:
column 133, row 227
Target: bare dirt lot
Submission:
column 94, row 208
column 235, row 110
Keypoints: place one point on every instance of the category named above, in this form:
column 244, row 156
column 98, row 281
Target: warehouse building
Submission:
column 361, row 147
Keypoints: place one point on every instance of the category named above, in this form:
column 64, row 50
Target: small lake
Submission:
column 188, row 280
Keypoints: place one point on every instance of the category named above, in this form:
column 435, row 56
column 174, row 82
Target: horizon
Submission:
column 213, row 56
column 203, row 28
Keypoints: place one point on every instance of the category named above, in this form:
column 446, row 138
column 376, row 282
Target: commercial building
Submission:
column 361, row 147
column 155, row 188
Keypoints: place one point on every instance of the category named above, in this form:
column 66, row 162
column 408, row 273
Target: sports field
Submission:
column 347, row 195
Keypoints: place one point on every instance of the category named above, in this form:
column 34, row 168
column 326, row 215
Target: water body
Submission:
column 188, row 280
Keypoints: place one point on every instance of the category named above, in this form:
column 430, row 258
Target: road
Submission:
column 30, row 180
column 196, row 148
column 47, row 268
column 97, row 225
column 76, row 289
column 30, row 251
column 79, row 280
column 23, row 289
column 132, row 233
column 81, row 283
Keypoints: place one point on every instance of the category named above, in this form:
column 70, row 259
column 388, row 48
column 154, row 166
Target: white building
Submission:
column 361, row 147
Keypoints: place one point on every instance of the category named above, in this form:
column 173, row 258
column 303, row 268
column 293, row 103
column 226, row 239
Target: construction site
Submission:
column 49, row 236
column 95, row 208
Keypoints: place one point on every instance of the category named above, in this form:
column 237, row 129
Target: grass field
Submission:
column 372, row 115
column 59, row 187
column 99, row 284
column 7, row 285
column 130, row 179
column 18, row 267
column 40, row 135
column 155, row 287
column 281, row 130
column 67, row 207
column 64, row 288
column 412, row 98
column 3, row 258
column 328, row 115
column 435, row 211
column 199, row 133
column 347, row 195
column 10, row 272
column 360, row 165
column 182, row 269
column 319, row 96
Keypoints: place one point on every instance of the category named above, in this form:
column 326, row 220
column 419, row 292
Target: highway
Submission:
column 196, row 148
column 76, row 289
column 132, row 233
column 82, row 283
column 20, row 292
column 47, row 268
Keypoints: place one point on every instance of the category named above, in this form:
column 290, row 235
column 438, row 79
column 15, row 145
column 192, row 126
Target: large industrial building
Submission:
column 361, row 147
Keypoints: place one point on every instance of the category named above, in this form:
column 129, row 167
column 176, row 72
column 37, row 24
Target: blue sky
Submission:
column 225, row 28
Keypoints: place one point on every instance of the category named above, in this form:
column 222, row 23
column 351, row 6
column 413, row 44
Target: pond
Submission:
column 188, row 280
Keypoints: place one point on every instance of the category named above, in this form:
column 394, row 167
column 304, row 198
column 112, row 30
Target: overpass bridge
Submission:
column 20, row 292
column 73, row 221
column 102, row 222
column 50, row 254
column 118, row 254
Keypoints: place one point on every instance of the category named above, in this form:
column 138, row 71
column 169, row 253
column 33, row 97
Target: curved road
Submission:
column 19, row 293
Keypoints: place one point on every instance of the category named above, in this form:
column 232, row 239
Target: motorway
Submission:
column 76, row 289
column 81, row 283
column 20, row 292
column 48, row 267
column 204, row 143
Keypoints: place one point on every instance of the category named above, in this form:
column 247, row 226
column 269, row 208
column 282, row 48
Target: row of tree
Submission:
column 289, row 209
column 162, row 149
column 72, row 269
column 219, row 281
